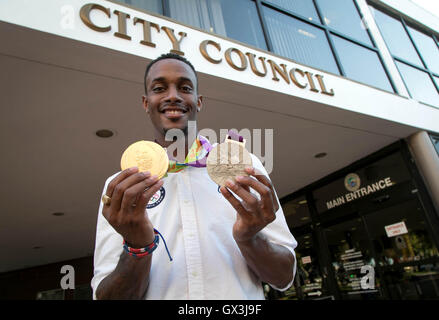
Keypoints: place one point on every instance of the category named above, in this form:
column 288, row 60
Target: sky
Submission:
column 430, row 5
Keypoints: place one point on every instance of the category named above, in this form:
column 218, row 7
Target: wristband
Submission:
column 141, row 252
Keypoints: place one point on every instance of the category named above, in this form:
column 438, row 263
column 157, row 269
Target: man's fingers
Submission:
column 119, row 178
column 266, row 181
column 233, row 201
column 250, row 200
column 259, row 187
column 259, row 176
column 121, row 187
column 146, row 195
column 132, row 194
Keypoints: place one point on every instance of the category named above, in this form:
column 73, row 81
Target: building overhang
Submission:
column 61, row 85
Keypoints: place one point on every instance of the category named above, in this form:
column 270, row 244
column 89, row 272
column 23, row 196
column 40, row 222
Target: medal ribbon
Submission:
column 196, row 156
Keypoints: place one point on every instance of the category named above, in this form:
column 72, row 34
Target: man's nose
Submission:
column 173, row 95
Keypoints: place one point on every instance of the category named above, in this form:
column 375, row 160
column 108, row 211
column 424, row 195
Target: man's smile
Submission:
column 173, row 112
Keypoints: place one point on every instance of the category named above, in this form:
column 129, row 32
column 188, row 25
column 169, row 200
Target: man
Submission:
column 224, row 242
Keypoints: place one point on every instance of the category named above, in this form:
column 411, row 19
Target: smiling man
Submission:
column 224, row 241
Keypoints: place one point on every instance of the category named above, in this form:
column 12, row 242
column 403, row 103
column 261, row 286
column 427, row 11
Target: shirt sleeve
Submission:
column 278, row 231
column 108, row 247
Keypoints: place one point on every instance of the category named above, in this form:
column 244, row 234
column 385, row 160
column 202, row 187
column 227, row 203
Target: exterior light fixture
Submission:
column 320, row 155
column 104, row 133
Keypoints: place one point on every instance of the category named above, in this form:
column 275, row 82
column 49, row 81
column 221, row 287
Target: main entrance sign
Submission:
column 210, row 49
column 352, row 183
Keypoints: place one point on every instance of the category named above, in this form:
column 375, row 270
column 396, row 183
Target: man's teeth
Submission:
column 174, row 111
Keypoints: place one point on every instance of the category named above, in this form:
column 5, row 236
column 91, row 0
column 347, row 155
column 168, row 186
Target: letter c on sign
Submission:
column 203, row 50
column 294, row 79
column 85, row 16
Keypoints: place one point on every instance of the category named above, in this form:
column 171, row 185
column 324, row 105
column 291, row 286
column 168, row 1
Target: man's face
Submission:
column 171, row 98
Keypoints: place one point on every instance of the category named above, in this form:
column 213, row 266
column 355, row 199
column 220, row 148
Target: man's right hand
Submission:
column 130, row 192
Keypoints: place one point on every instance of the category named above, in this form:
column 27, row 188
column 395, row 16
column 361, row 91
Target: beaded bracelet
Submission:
column 141, row 252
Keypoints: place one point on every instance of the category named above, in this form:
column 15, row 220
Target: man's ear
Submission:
column 145, row 104
column 199, row 103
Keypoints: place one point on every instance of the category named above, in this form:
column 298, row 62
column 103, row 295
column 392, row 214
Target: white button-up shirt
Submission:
column 196, row 222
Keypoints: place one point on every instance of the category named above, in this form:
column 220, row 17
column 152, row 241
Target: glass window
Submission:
column 296, row 212
column 343, row 16
column 369, row 71
column 55, row 294
column 401, row 227
column 372, row 180
column 310, row 283
column 150, row 5
column 396, row 38
column 405, row 251
column 428, row 49
column 191, row 12
column 419, row 84
column 351, row 254
column 304, row 8
column 236, row 19
column 435, row 140
column 242, row 22
column 299, row 41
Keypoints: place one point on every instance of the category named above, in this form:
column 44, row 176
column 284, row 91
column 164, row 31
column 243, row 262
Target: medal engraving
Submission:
column 147, row 156
column 228, row 160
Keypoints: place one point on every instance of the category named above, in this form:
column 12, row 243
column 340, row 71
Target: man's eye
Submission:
column 157, row 89
column 186, row 88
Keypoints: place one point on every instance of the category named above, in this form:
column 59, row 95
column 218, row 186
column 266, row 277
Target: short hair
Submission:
column 169, row 55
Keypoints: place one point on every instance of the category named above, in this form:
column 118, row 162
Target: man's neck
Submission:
column 160, row 139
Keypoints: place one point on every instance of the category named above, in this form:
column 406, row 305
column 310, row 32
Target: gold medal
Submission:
column 147, row 156
column 228, row 160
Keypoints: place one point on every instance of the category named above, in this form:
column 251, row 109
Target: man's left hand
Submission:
column 252, row 214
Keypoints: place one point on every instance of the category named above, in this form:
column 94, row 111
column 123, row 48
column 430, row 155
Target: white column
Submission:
column 369, row 22
column 427, row 161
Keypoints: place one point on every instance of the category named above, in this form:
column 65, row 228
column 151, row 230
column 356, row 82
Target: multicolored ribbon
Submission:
column 196, row 157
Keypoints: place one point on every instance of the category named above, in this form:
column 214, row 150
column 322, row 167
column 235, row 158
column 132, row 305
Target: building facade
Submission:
column 343, row 94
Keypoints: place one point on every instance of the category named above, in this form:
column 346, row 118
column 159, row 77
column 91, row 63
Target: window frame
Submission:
column 412, row 25
column 329, row 32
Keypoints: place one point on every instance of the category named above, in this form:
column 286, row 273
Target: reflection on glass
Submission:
column 414, row 282
column 299, row 41
column 296, row 212
column 419, row 84
column 55, row 294
column 406, row 238
column 242, row 22
column 369, row 71
column 396, row 37
column 405, row 251
column 150, row 5
column 380, row 175
column 304, row 8
column 352, row 260
column 236, row 19
column 191, row 12
column 309, row 282
column 343, row 16
column 428, row 49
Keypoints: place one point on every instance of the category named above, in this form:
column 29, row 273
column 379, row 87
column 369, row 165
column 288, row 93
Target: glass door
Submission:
column 352, row 260
column 405, row 250
column 311, row 282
